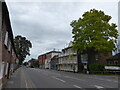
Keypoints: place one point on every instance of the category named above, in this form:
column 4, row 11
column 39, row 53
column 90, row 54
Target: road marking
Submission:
column 59, row 79
column 76, row 86
column 98, row 86
column 26, row 84
column 28, row 79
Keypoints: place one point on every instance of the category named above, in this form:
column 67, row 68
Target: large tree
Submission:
column 93, row 31
column 22, row 46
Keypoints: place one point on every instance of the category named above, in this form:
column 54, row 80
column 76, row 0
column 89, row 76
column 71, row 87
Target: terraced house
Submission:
column 8, row 57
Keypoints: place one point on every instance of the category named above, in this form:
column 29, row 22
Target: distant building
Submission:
column 114, row 59
column 54, row 62
column 49, row 56
column 67, row 60
column 93, row 57
column 41, row 59
column 8, row 57
column 33, row 63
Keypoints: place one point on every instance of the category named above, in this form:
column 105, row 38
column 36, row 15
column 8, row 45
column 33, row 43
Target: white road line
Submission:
column 76, row 86
column 59, row 79
column 98, row 86
column 26, row 84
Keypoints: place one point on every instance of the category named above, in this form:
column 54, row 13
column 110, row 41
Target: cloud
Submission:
column 47, row 24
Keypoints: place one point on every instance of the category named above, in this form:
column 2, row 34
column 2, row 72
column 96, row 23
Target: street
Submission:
column 42, row 78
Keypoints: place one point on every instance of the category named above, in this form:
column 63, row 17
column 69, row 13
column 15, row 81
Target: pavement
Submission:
column 43, row 78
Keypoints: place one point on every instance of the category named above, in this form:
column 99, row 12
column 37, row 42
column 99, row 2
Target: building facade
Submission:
column 114, row 59
column 41, row 59
column 9, row 61
column 93, row 57
column 34, row 63
column 67, row 60
column 54, row 63
column 45, row 59
column 49, row 56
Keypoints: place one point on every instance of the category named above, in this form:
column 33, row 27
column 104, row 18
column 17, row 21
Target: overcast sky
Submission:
column 47, row 24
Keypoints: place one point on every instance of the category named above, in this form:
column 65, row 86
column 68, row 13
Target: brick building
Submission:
column 91, row 57
column 34, row 63
column 44, row 59
column 49, row 56
column 8, row 57
column 41, row 60
column 114, row 59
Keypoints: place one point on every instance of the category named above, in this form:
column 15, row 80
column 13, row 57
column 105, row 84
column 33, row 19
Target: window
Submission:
column 2, row 64
column 96, row 57
column 84, row 58
column 6, row 69
column 9, row 46
column 12, row 67
column 6, row 39
column 115, row 62
column 12, row 52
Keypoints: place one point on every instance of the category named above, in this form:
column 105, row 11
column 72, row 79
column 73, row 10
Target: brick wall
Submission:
column 7, row 58
column 41, row 59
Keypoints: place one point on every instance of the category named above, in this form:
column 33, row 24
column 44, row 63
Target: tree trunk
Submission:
column 80, row 65
column 91, row 55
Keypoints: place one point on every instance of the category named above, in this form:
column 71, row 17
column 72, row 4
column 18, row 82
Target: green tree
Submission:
column 94, row 32
column 22, row 46
column 25, row 63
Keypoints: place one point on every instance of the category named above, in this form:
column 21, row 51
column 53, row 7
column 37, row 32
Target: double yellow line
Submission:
column 28, row 82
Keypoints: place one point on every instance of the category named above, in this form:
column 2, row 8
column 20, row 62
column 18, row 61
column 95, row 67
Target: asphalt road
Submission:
column 42, row 78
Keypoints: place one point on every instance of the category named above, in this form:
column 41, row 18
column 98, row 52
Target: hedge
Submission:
column 96, row 67
column 99, row 67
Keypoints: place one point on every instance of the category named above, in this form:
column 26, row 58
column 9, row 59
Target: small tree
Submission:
column 22, row 46
column 94, row 32
column 25, row 63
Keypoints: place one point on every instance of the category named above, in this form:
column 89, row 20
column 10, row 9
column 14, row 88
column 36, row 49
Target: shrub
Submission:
column 96, row 67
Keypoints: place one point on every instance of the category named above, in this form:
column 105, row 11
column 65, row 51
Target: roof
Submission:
column 32, row 60
column 115, row 57
column 53, row 52
column 67, row 48
column 49, row 52
column 42, row 55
